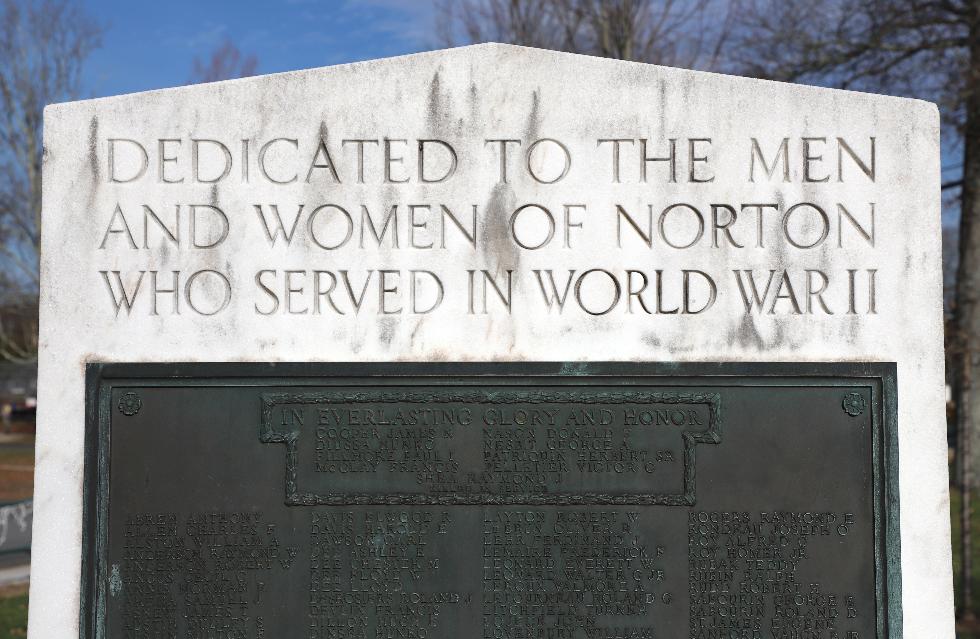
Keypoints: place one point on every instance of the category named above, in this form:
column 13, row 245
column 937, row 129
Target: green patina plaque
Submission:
column 494, row 501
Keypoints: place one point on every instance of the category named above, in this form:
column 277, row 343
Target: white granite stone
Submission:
column 464, row 97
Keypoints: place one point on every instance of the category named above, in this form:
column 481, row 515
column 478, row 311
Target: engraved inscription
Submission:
column 497, row 446
column 605, row 194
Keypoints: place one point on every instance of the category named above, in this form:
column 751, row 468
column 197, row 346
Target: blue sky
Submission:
column 151, row 44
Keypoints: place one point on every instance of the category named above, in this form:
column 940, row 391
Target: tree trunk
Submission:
column 968, row 311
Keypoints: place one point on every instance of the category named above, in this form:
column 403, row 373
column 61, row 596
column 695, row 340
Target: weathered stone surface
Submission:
column 869, row 289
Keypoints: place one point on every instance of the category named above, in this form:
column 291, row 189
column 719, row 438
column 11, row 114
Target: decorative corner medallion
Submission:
column 853, row 404
column 130, row 404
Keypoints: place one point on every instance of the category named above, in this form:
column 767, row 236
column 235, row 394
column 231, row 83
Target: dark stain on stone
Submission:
column 93, row 147
column 386, row 330
column 662, row 105
column 496, row 230
column 435, row 109
column 782, row 338
column 534, row 118
column 415, row 331
column 165, row 250
column 746, row 334
column 213, row 198
column 324, row 133
column 356, row 345
column 473, row 104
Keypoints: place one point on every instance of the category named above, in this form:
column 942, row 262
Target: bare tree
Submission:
column 225, row 63
column 687, row 33
column 18, row 323
column 920, row 48
column 43, row 44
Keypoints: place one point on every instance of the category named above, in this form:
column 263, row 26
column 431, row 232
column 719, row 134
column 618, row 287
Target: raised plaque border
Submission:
column 880, row 378
column 691, row 438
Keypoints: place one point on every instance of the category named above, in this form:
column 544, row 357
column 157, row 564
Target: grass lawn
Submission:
column 16, row 482
column 13, row 613
column 955, row 502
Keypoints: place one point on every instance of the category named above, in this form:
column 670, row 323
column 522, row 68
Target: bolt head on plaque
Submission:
column 853, row 404
column 130, row 404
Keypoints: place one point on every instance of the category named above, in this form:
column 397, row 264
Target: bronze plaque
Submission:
column 493, row 501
